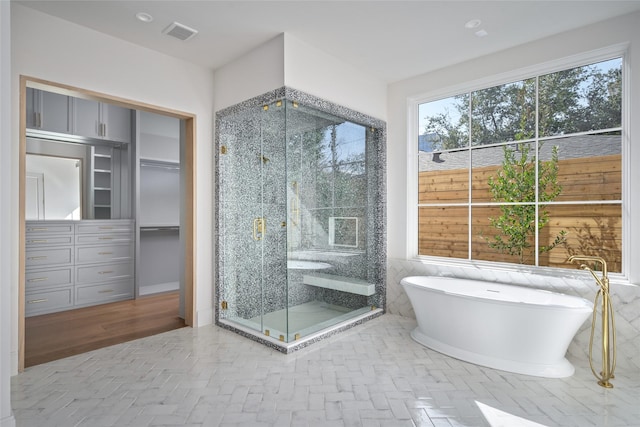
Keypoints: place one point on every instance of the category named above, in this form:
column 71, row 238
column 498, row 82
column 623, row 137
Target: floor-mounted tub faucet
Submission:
column 608, row 323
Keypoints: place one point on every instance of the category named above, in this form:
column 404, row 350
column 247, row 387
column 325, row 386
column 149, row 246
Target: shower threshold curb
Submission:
column 303, row 342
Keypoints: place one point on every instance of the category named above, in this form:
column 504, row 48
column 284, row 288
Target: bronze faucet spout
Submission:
column 597, row 259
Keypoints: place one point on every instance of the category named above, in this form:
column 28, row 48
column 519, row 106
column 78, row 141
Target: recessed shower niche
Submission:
column 300, row 218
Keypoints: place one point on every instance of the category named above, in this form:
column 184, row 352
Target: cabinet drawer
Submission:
column 97, row 294
column 35, row 241
column 47, row 228
column 107, row 253
column 104, row 272
column 108, row 227
column 45, row 278
column 103, row 239
column 51, row 256
column 48, row 301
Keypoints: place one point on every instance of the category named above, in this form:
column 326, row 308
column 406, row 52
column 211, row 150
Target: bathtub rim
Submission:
column 586, row 306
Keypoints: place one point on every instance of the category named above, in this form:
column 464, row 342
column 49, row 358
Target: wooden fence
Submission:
column 592, row 229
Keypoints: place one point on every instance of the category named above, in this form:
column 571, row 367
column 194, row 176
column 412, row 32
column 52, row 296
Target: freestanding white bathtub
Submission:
column 506, row 327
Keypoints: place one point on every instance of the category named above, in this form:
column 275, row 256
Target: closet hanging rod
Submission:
column 160, row 228
column 168, row 166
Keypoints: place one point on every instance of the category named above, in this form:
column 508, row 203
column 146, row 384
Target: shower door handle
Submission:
column 259, row 228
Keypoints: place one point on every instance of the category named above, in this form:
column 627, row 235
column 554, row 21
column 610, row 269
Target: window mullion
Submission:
column 469, row 159
column 537, row 188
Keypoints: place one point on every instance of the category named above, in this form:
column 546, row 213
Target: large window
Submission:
column 527, row 172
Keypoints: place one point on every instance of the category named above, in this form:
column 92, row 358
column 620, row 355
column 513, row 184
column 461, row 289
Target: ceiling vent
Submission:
column 180, row 31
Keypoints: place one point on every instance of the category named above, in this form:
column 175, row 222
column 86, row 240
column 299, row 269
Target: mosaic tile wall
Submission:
column 625, row 299
column 258, row 175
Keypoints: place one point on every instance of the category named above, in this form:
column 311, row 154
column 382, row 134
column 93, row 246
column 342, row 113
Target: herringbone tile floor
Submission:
column 370, row 375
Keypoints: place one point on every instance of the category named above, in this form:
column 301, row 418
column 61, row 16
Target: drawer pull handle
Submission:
column 105, row 238
column 106, row 291
column 37, row 301
column 105, row 253
column 36, row 258
column 38, row 229
column 105, row 272
column 38, row 279
column 38, row 241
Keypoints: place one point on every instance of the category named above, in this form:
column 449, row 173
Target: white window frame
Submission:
column 599, row 55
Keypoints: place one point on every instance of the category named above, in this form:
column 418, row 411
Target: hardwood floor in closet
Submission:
column 55, row 336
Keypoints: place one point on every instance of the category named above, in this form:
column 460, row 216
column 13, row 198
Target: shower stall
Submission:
column 300, row 218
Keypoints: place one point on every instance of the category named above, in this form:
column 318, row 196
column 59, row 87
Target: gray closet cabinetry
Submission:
column 49, row 267
column 104, row 258
column 77, row 264
column 101, row 120
column 48, row 111
column 53, row 112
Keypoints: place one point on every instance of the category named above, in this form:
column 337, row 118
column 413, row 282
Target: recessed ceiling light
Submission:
column 481, row 33
column 144, row 17
column 474, row 23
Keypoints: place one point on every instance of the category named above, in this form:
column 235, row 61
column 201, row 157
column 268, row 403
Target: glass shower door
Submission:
column 240, row 211
column 253, row 227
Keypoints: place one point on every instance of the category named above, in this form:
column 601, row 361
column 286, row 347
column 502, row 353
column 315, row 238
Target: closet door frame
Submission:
column 188, row 220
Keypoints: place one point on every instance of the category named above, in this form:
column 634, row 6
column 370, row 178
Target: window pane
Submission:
column 589, row 166
column 503, row 113
column 443, row 231
column 581, row 99
column 444, row 124
column 444, row 177
column 594, row 230
column 511, row 187
column 504, row 173
column 503, row 234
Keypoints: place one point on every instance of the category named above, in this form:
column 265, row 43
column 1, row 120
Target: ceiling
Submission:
column 392, row 40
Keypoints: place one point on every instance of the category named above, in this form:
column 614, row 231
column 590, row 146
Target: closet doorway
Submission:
column 164, row 226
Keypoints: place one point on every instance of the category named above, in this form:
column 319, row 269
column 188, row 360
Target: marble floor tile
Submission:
column 370, row 375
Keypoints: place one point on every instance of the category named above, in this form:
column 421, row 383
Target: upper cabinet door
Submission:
column 100, row 120
column 48, row 111
column 32, row 109
column 86, row 118
column 116, row 122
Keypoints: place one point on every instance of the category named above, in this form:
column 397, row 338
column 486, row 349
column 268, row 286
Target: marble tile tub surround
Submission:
column 625, row 299
column 373, row 269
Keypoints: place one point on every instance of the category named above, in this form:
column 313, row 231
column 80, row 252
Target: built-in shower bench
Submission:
column 340, row 283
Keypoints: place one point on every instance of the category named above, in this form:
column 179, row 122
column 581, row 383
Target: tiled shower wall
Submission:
column 625, row 299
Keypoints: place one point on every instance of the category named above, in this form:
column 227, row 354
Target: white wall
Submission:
column 7, row 294
column 48, row 48
column 253, row 74
column 318, row 73
column 288, row 61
